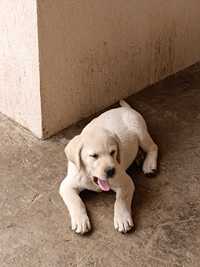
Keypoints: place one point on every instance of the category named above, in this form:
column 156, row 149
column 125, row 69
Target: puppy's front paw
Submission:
column 123, row 222
column 80, row 223
column 150, row 166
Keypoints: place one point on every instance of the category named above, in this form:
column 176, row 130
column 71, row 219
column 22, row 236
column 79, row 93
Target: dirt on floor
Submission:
column 34, row 223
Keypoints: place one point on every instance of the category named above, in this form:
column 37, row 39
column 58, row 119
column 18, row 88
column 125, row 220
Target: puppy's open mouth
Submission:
column 103, row 184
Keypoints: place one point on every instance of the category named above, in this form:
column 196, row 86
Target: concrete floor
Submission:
column 34, row 223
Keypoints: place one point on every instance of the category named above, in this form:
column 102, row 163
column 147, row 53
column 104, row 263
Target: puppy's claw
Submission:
column 81, row 224
column 153, row 173
column 123, row 224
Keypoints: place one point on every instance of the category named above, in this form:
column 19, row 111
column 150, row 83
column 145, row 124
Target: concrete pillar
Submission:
column 19, row 64
column 91, row 54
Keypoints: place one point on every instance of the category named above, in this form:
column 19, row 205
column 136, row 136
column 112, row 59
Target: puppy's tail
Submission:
column 124, row 104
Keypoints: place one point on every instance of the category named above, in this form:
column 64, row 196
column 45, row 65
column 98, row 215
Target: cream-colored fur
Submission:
column 101, row 154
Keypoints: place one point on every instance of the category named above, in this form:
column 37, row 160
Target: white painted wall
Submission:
column 91, row 54
column 19, row 63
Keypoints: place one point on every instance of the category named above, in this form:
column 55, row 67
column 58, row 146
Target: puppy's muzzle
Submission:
column 110, row 172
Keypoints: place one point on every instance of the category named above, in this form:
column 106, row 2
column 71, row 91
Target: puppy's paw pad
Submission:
column 81, row 224
column 123, row 223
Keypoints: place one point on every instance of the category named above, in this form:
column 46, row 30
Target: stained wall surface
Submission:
column 19, row 63
column 92, row 53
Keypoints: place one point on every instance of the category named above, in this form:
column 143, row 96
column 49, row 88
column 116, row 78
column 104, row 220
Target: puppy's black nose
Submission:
column 110, row 172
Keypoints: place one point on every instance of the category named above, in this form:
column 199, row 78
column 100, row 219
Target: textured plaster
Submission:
column 92, row 53
column 19, row 63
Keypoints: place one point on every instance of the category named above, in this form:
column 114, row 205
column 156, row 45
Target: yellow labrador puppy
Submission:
column 98, row 159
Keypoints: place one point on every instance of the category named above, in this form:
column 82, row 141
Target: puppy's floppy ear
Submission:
column 73, row 151
column 118, row 142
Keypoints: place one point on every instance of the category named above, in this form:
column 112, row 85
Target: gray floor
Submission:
column 34, row 223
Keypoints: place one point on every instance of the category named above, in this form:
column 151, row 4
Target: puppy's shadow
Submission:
column 143, row 193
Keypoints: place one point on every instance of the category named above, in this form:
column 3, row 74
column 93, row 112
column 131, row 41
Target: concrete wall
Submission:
column 19, row 63
column 91, row 53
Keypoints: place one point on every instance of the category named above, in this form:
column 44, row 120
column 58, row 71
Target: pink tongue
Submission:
column 104, row 185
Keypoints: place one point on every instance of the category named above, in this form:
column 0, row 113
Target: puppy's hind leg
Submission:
column 148, row 145
column 80, row 222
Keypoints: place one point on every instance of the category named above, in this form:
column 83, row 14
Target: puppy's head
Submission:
column 97, row 152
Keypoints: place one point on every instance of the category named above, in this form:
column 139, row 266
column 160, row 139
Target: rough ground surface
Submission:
column 34, row 223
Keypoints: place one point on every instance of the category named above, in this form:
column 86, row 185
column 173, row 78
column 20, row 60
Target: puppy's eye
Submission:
column 112, row 152
column 95, row 156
